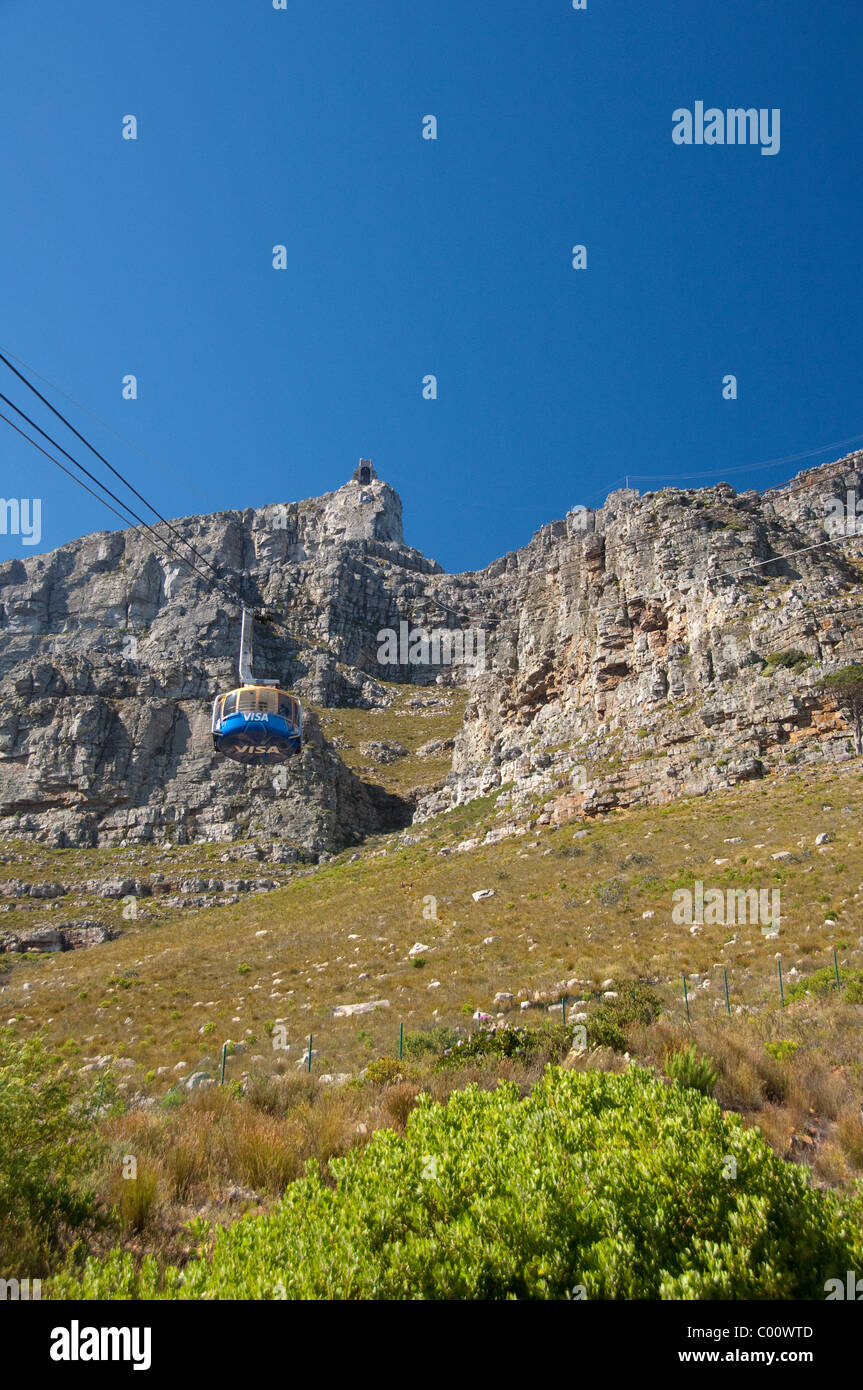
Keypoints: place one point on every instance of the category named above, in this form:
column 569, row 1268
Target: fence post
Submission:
column 781, row 990
column 563, row 1006
column 224, row 1055
column 309, row 1063
column 686, row 998
column 836, row 968
column 727, row 1000
column 401, row 1040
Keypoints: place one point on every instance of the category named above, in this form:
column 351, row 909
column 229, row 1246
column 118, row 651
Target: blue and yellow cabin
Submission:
column 257, row 724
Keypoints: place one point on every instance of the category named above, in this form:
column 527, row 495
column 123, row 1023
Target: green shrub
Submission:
column 610, row 893
column 385, row 1071
column 46, row 1154
column 688, row 1067
column 616, row 1182
column 430, row 1042
column 791, row 660
column 635, row 1003
column 821, row 982
column 137, row 1198
column 549, row 1040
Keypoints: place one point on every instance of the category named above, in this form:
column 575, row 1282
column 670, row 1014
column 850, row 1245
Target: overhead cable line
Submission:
column 750, row 467
column 102, row 459
column 163, row 544
column 162, row 541
column 93, row 416
column 785, row 555
column 62, row 467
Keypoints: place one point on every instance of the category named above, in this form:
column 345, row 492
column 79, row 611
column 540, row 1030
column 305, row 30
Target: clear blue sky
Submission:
column 408, row 257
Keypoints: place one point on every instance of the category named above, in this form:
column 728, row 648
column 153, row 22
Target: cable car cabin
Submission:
column 257, row 724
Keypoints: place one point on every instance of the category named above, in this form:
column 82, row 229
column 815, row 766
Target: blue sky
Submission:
column 408, row 257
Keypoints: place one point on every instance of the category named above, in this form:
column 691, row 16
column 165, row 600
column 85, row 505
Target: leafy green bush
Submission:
column 688, row 1067
column 616, row 1182
column 610, row 893
column 791, row 660
column 635, row 1003
column 430, row 1042
column 550, row 1040
column 821, row 982
column 46, row 1154
column 385, row 1071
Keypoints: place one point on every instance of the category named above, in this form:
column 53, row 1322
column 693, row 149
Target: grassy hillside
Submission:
column 563, row 908
column 418, row 716
column 577, row 911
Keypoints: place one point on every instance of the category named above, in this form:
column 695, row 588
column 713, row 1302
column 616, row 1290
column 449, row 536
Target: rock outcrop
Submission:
column 664, row 643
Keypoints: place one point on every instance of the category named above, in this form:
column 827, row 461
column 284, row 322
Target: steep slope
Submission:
column 663, row 645
column 659, row 645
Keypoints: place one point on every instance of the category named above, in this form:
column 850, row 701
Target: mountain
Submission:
column 663, row 644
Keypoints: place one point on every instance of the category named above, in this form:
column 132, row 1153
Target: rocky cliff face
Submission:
column 112, row 653
column 658, row 645
column 662, row 645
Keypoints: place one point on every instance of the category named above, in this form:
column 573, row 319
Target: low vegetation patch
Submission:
column 821, row 982
column 575, row 1191
column 635, row 1003
column 47, row 1151
column 689, row 1068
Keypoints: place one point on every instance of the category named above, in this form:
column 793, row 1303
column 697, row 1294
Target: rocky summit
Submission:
column 667, row 643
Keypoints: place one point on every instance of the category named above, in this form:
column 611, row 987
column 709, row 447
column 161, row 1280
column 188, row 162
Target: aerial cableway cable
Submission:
column 62, row 467
column 255, row 724
column 58, row 390
column 102, row 459
column 224, row 584
column 161, row 541
column 163, row 545
column 218, row 584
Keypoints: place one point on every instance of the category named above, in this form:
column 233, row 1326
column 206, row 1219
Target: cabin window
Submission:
column 256, row 699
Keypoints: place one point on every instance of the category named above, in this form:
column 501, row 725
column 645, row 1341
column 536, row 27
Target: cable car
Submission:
column 257, row 723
